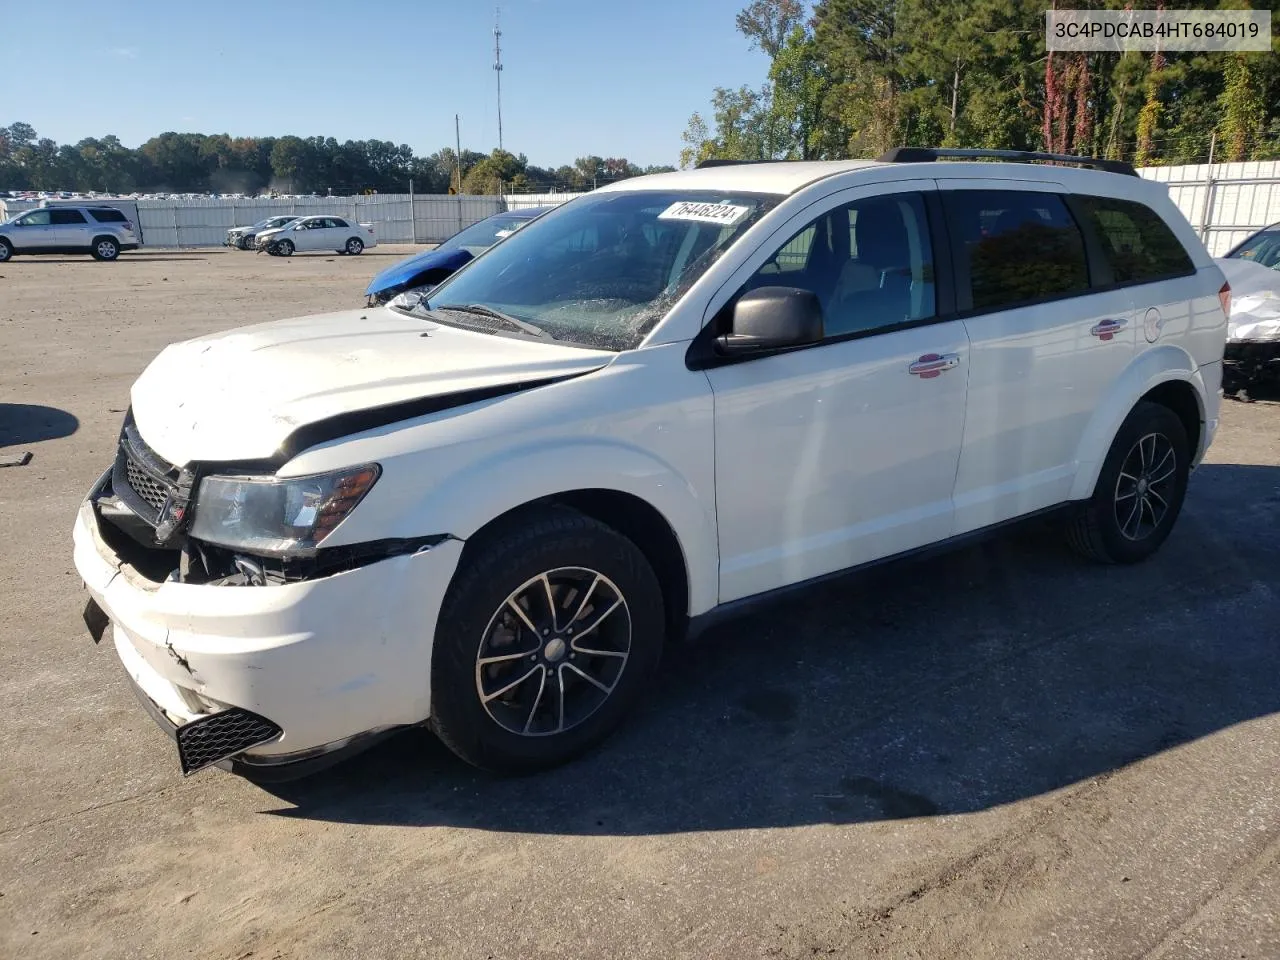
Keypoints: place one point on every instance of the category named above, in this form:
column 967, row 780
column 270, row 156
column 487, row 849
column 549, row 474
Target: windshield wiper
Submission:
column 480, row 310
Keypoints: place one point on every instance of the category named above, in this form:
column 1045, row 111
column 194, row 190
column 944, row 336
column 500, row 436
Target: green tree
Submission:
column 494, row 174
column 1243, row 112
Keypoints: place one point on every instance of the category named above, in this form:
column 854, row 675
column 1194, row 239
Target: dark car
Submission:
column 429, row 268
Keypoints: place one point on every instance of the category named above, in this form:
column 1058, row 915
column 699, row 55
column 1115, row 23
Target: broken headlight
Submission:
column 278, row 517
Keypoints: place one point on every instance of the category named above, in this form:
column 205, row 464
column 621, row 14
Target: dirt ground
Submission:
column 1002, row 752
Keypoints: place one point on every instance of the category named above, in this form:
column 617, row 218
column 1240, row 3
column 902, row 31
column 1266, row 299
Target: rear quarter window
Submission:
column 1016, row 246
column 107, row 216
column 1135, row 240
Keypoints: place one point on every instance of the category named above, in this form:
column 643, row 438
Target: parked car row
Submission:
column 246, row 238
column 285, row 235
column 487, row 508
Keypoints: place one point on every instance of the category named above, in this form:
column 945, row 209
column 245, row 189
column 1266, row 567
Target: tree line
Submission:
column 218, row 163
column 852, row 78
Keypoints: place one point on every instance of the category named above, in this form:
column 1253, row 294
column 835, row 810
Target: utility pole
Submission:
column 457, row 163
column 497, row 65
column 1207, row 210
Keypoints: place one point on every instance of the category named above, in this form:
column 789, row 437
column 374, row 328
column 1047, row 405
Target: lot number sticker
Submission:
column 725, row 214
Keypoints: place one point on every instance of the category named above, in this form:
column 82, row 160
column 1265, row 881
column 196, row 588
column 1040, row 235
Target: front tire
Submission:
column 6, row 250
column 1139, row 492
column 284, row 248
column 355, row 246
column 547, row 637
column 105, row 248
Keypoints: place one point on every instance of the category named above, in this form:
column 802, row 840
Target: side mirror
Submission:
column 772, row 317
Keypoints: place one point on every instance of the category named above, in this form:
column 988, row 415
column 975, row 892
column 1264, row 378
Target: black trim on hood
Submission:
column 358, row 421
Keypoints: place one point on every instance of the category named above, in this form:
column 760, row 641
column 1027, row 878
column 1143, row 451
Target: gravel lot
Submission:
column 1001, row 752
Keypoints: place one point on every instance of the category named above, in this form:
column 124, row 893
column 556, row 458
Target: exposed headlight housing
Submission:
column 408, row 299
column 278, row 517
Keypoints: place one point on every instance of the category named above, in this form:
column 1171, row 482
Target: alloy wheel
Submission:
column 1144, row 488
column 553, row 652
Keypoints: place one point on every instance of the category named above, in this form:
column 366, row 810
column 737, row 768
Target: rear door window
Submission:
column 1135, row 240
column 338, row 222
column 1015, row 246
column 62, row 218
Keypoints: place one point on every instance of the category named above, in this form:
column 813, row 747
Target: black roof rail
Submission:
column 927, row 154
column 704, row 164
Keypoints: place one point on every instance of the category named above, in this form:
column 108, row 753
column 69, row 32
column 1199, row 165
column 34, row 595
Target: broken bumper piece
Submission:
column 301, row 674
column 1250, row 362
column 222, row 739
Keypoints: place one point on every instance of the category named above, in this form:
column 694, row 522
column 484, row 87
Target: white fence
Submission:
column 1225, row 202
column 396, row 218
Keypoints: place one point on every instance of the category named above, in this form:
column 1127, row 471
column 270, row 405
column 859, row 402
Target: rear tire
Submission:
column 1140, row 490
column 355, row 246
column 105, row 248
column 513, row 687
column 6, row 250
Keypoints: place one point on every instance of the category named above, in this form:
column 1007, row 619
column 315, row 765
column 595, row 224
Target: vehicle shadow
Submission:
column 939, row 686
column 30, row 423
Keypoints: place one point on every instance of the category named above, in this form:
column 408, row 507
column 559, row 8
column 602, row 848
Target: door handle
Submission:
column 1106, row 329
column 932, row 364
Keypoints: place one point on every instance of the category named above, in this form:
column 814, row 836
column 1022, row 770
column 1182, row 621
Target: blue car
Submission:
column 428, row 269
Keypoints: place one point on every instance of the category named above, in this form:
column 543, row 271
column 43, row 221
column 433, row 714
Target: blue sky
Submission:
column 581, row 76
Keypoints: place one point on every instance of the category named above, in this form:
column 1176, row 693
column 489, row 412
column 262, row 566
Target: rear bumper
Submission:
column 1211, row 378
column 332, row 662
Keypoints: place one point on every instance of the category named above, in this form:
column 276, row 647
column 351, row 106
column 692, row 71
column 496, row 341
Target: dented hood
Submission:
column 239, row 395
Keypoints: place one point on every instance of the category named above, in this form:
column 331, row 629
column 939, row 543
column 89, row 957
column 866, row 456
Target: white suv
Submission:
column 488, row 509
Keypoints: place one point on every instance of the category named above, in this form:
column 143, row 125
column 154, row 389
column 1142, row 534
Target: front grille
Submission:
column 142, row 478
column 204, row 742
column 149, row 489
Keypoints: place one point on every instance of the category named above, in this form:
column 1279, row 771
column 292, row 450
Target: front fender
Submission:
column 1148, row 370
column 465, row 501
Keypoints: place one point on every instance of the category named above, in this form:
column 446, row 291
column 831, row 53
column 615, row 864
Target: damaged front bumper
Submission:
column 1247, row 362
column 328, row 665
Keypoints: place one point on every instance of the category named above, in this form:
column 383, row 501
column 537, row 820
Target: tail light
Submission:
column 1224, row 298
column 128, row 225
